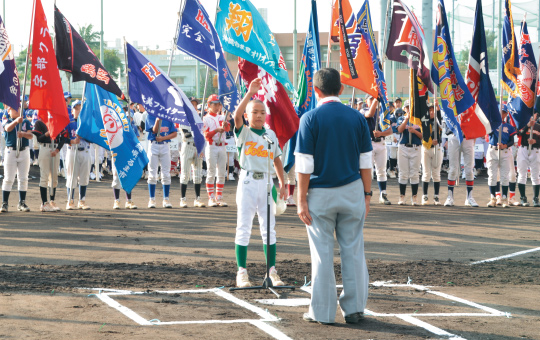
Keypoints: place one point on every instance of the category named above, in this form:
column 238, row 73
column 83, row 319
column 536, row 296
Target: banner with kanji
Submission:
column 510, row 55
column 9, row 78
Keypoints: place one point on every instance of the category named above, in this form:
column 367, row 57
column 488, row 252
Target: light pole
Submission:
column 101, row 56
column 499, row 63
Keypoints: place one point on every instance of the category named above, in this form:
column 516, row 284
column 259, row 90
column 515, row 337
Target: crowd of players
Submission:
column 397, row 153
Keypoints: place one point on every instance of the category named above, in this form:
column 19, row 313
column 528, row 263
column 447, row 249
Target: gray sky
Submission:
column 152, row 23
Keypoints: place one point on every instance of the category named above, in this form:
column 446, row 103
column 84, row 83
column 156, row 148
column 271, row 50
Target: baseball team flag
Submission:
column 522, row 105
column 76, row 57
column 198, row 38
column 9, row 78
column 160, row 96
column 356, row 66
column 311, row 63
column 419, row 106
column 245, row 34
column 406, row 42
column 455, row 96
column 46, row 94
column 103, row 121
column 365, row 26
column 510, row 56
column 483, row 117
column 281, row 116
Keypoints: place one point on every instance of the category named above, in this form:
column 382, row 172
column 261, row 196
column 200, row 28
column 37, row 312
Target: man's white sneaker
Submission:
column 425, row 200
column 130, row 205
column 414, row 200
column 383, row 199
column 221, row 203
column 82, row 205
column 166, row 203
column 392, row 174
column 231, row 177
column 470, row 202
column 505, row 202
column 449, row 201
column 512, row 201
column 499, row 200
column 116, row 205
column 276, row 281
column 290, row 201
column 152, row 203
column 183, row 202
column 212, row 202
column 401, row 200
column 242, row 278
column 71, row 205
column 198, row 203
column 492, row 202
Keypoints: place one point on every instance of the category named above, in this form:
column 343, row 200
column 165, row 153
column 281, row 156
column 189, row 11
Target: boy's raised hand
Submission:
column 255, row 86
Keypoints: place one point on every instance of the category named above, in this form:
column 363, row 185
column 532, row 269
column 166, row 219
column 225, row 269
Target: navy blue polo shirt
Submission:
column 405, row 134
column 335, row 135
column 11, row 137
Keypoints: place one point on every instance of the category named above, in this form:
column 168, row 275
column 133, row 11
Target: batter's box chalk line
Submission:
column 411, row 318
column 107, row 296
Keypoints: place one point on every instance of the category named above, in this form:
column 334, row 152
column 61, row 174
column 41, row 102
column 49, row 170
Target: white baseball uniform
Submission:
column 13, row 164
column 216, row 154
column 189, row 160
column 467, row 149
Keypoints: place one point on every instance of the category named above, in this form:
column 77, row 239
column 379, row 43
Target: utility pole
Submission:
column 101, row 56
column 499, row 62
column 295, row 49
column 453, row 20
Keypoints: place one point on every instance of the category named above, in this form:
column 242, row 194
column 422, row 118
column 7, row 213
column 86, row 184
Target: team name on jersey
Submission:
column 257, row 151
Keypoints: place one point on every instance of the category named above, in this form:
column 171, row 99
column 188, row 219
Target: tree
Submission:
column 463, row 55
column 111, row 61
column 20, row 62
column 91, row 37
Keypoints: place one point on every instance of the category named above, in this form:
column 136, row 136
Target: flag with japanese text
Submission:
column 419, row 107
column 46, row 94
column 356, row 67
column 76, row 57
column 9, row 78
column 483, row 117
column 103, row 121
column 281, row 116
column 198, row 38
column 407, row 42
column 160, row 96
column 244, row 33
column 510, row 56
column 310, row 63
column 521, row 106
column 365, row 26
column 455, row 95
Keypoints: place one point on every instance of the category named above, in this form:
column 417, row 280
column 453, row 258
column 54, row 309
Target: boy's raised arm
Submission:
column 239, row 113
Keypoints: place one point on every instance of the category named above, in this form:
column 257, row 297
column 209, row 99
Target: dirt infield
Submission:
column 50, row 264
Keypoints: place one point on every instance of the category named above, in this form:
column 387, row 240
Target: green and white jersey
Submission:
column 253, row 148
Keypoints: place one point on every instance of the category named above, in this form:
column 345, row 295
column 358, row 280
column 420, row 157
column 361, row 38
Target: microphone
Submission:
column 267, row 138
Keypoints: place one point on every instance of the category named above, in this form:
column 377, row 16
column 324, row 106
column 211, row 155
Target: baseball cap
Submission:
column 406, row 103
column 368, row 96
column 397, row 99
column 213, row 99
column 75, row 103
column 429, row 105
column 193, row 99
column 67, row 95
column 505, row 108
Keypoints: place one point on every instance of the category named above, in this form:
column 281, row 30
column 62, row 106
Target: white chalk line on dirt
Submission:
column 506, row 256
column 261, row 323
column 428, row 327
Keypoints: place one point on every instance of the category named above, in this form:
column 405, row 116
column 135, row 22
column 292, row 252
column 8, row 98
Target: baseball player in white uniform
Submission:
column 529, row 160
column 253, row 180
column 432, row 160
column 190, row 162
column 16, row 127
column 215, row 128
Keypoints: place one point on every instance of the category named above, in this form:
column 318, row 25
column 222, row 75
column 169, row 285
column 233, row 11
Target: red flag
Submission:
column 282, row 117
column 46, row 94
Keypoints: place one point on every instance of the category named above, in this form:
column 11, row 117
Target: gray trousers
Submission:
column 340, row 210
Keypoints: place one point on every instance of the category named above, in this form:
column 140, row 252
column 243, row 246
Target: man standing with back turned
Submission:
column 333, row 143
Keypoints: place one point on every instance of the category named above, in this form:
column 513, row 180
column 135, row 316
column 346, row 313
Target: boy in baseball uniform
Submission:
column 16, row 127
column 432, row 158
column 252, row 183
column 215, row 128
column 529, row 158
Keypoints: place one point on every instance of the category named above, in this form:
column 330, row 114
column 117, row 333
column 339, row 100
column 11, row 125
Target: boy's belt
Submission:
column 256, row 175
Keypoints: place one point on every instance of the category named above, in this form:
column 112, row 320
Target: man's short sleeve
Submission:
column 306, row 140
column 276, row 148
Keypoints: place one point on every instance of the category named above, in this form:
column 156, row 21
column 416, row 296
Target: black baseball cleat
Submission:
column 383, row 199
column 22, row 206
column 354, row 317
column 536, row 202
column 523, row 201
column 4, row 207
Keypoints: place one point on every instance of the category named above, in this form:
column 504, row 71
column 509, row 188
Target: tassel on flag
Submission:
column 46, row 94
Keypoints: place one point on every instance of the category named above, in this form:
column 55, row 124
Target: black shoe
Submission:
column 383, row 199
column 22, row 206
column 308, row 318
column 4, row 207
column 354, row 318
column 536, row 202
column 523, row 202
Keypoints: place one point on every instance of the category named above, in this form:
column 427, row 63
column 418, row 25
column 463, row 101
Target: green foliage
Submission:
column 463, row 55
column 111, row 60
column 20, row 62
column 91, row 37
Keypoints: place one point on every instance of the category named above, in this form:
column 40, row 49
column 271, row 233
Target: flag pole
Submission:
column 411, row 96
column 207, row 67
column 435, row 122
column 329, row 52
column 21, row 109
column 352, row 98
column 500, row 127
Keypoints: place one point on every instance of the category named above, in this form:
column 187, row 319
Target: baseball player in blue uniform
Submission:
column 529, row 159
column 252, row 183
column 498, row 160
column 432, row 159
column 16, row 127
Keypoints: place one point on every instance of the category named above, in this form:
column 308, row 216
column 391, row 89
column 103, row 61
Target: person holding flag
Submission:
column 16, row 161
column 529, row 158
column 432, row 156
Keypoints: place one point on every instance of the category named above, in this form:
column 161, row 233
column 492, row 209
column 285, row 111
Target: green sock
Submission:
column 241, row 255
column 271, row 257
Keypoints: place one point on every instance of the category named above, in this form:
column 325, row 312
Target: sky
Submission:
column 153, row 23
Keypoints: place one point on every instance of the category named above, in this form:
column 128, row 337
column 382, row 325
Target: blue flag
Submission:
column 311, row 63
column 521, row 105
column 9, row 78
column 510, row 56
column 244, row 33
column 455, row 95
column 160, row 96
column 365, row 26
column 198, row 38
column 103, row 122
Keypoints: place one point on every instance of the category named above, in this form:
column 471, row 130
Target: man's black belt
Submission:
column 409, row 145
column 376, row 140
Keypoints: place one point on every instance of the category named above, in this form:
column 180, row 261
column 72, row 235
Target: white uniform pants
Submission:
column 14, row 165
column 216, row 159
column 409, row 159
column 379, row 159
column 251, row 197
column 190, row 161
column 48, row 179
column 159, row 155
column 78, row 169
column 496, row 165
column 512, row 175
column 526, row 161
column 467, row 149
column 431, row 163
